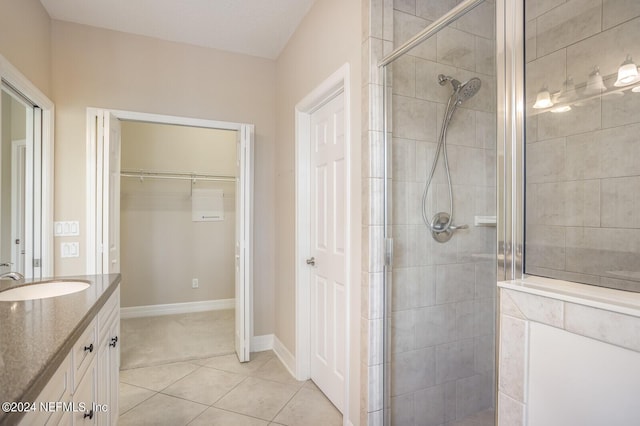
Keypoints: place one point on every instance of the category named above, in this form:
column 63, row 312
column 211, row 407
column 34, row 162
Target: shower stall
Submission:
column 526, row 112
column 440, row 197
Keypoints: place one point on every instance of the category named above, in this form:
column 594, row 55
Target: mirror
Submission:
column 26, row 176
column 13, row 185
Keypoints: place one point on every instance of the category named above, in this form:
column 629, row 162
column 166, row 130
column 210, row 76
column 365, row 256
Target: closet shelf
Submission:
column 141, row 174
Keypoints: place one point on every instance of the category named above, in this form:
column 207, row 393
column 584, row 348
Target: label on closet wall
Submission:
column 207, row 205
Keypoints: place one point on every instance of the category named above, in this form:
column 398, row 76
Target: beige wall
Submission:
column 328, row 37
column 156, row 228
column 108, row 69
column 25, row 40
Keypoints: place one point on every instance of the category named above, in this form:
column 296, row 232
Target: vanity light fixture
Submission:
column 543, row 99
column 595, row 83
column 568, row 92
column 627, row 73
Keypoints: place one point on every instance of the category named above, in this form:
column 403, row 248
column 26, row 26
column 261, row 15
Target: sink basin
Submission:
column 42, row 290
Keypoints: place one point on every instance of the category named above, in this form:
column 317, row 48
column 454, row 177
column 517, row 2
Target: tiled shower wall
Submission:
column 582, row 166
column 443, row 295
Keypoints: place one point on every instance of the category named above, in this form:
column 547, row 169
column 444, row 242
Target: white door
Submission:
column 111, row 186
column 328, row 279
column 244, row 240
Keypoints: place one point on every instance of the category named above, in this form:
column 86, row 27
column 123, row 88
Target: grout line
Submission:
column 146, row 399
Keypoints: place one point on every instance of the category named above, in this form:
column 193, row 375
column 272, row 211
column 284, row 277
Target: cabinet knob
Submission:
column 89, row 414
column 89, row 349
column 114, row 341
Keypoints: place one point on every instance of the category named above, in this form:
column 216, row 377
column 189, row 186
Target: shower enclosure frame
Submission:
column 510, row 237
column 510, row 139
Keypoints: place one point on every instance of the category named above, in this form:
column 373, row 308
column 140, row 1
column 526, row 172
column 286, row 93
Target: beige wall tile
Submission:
column 479, row 21
column 621, row 202
column 512, row 362
column 615, row 12
column 545, row 246
column 413, row 371
column 535, row 8
column 455, row 360
column 404, row 76
column 456, row 48
column 540, row 309
column 611, row 327
column 406, row 26
column 432, row 10
column 606, row 50
column 587, row 118
column 548, row 70
column 414, row 119
column 510, row 411
column 568, row 23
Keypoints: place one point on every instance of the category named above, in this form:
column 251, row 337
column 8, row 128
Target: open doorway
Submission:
column 170, row 207
column 177, row 237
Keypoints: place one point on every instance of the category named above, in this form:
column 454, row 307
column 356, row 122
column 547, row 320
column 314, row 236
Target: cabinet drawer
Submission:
column 84, row 352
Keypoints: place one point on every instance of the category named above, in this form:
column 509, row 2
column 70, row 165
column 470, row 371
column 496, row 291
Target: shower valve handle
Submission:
column 456, row 227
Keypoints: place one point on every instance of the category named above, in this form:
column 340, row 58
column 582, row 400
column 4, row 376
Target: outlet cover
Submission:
column 194, row 283
column 70, row 249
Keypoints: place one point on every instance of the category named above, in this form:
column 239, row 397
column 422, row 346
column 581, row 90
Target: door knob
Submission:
column 311, row 261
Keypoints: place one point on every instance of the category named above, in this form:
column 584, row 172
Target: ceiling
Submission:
column 252, row 27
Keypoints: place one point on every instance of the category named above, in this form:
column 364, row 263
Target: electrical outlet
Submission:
column 71, row 249
column 194, row 283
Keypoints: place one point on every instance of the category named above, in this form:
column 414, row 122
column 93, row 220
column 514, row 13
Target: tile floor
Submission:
column 169, row 338
column 210, row 391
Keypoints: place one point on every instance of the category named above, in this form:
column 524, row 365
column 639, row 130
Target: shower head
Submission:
column 468, row 89
column 461, row 91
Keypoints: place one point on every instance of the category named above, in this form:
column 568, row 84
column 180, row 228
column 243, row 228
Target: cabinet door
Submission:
column 86, row 393
column 114, row 369
column 109, row 362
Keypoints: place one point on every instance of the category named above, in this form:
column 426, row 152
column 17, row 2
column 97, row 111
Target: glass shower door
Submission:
column 441, row 204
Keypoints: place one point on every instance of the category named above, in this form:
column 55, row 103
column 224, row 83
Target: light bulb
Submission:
column 627, row 73
column 543, row 99
column 594, row 83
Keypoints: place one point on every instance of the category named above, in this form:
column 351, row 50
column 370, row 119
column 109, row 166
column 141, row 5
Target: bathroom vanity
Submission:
column 60, row 356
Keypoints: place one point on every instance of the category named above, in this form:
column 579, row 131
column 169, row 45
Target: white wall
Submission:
column 156, row 227
column 113, row 70
column 327, row 38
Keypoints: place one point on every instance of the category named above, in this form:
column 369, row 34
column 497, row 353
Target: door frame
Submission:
column 336, row 83
column 18, row 196
column 95, row 166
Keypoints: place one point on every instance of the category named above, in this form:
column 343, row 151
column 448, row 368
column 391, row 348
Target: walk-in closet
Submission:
column 177, row 237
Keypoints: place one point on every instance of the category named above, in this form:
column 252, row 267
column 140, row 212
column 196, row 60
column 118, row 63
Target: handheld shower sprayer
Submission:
column 441, row 225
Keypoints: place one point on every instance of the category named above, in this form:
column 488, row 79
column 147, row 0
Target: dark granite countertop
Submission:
column 36, row 336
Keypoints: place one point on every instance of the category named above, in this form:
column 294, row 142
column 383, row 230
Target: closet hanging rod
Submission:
column 173, row 175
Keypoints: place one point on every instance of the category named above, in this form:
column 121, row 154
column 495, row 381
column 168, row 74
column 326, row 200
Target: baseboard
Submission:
column 177, row 308
column 285, row 356
column 262, row 343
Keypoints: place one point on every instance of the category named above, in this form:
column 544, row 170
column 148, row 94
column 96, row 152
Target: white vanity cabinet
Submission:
column 86, row 383
column 108, row 366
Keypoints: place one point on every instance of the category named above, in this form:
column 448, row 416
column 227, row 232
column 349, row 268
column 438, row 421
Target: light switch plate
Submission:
column 66, row 229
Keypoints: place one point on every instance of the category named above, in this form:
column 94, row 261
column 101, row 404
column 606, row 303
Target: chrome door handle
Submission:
column 311, row 261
